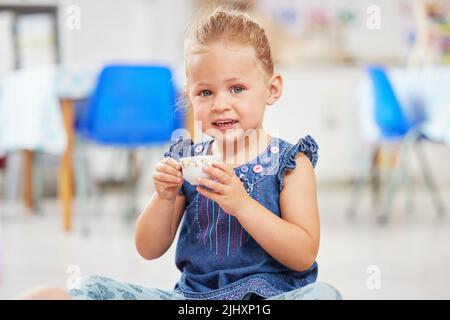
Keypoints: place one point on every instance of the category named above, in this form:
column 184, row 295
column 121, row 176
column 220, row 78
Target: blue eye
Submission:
column 237, row 89
column 205, row 93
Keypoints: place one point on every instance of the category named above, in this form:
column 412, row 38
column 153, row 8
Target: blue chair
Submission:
column 395, row 125
column 131, row 107
column 388, row 113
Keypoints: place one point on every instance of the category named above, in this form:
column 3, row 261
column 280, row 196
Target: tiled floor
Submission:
column 411, row 254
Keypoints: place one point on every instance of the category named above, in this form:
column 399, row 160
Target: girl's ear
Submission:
column 275, row 88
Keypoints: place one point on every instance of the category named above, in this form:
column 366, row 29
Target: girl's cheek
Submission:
column 204, row 109
column 200, row 114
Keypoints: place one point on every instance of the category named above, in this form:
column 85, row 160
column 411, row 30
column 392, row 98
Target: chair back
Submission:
column 388, row 112
column 131, row 106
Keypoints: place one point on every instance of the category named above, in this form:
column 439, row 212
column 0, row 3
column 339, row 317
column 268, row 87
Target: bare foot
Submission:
column 45, row 293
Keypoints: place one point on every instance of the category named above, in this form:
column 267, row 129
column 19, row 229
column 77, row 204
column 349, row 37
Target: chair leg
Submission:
column 101, row 203
column 38, row 182
column 409, row 189
column 13, row 177
column 13, row 181
column 151, row 157
column 396, row 176
column 139, row 174
column 81, row 189
column 394, row 180
column 358, row 186
column 131, row 187
column 361, row 181
column 92, row 189
column 429, row 181
column 142, row 174
column 375, row 178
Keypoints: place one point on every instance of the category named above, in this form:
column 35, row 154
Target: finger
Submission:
column 222, row 166
column 164, row 177
column 162, row 167
column 166, row 185
column 209, row 194
column 172, row 162
column 214, row 185
column 216, row 173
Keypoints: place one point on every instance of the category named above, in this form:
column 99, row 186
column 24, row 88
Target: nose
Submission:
column 221, row 104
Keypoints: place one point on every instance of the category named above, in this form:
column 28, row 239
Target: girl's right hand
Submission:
column 167, row 178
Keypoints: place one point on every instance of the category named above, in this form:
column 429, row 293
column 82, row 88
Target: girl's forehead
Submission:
column 228, row 61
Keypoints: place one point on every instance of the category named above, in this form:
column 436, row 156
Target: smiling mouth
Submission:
column 225, row 124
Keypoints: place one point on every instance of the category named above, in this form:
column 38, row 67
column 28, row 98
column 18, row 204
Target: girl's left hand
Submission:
column 229, row 192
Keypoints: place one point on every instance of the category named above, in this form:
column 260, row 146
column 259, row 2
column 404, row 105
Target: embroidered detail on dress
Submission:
column 219, row 231
column 258, row 285
column 217, row 239
column 199, row 217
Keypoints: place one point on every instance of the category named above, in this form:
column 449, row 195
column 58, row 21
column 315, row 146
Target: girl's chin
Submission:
column 229, row 135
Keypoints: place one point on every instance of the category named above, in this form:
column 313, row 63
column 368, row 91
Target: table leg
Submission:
column 27, row 187
column 66, row 180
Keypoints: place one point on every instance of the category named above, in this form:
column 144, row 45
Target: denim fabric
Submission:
column 217, row 257
column 96, row 287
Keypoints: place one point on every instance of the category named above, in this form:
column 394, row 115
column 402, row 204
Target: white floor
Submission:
column 407, row 259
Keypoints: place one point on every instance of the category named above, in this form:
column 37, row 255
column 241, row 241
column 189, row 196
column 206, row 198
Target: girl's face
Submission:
column 225, row 82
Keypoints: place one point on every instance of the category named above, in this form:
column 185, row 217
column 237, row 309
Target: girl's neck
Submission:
column 242, row 151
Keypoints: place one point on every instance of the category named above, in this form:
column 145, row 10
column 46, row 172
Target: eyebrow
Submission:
column 227, row 80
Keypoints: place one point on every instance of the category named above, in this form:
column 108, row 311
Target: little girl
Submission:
column 250, row 231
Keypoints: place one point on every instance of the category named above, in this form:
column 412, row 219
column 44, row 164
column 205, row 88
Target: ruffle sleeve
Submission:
column 308, row 146
column 180, row 149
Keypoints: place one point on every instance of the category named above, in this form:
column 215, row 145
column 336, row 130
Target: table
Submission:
column 66, row 171
column 57, row 89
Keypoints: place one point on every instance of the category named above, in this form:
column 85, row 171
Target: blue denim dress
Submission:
column 217, row 258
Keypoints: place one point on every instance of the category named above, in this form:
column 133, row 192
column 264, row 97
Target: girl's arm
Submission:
column 293, row 239
column 157, row 225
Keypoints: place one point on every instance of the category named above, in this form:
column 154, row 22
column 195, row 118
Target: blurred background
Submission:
column 88, row 104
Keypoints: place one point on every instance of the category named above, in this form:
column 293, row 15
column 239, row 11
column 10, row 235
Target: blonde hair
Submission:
column 227, row 24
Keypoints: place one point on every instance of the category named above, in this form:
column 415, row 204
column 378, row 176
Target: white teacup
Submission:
column 192, row 167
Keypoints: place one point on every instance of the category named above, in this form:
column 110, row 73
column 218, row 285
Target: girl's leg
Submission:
column 45, row 293
column 313, row 291
column 103, row 288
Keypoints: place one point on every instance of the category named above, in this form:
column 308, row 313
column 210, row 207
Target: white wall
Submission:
column 124, row 31
column 321, row 102
column 6, row 43
column 318, row 101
